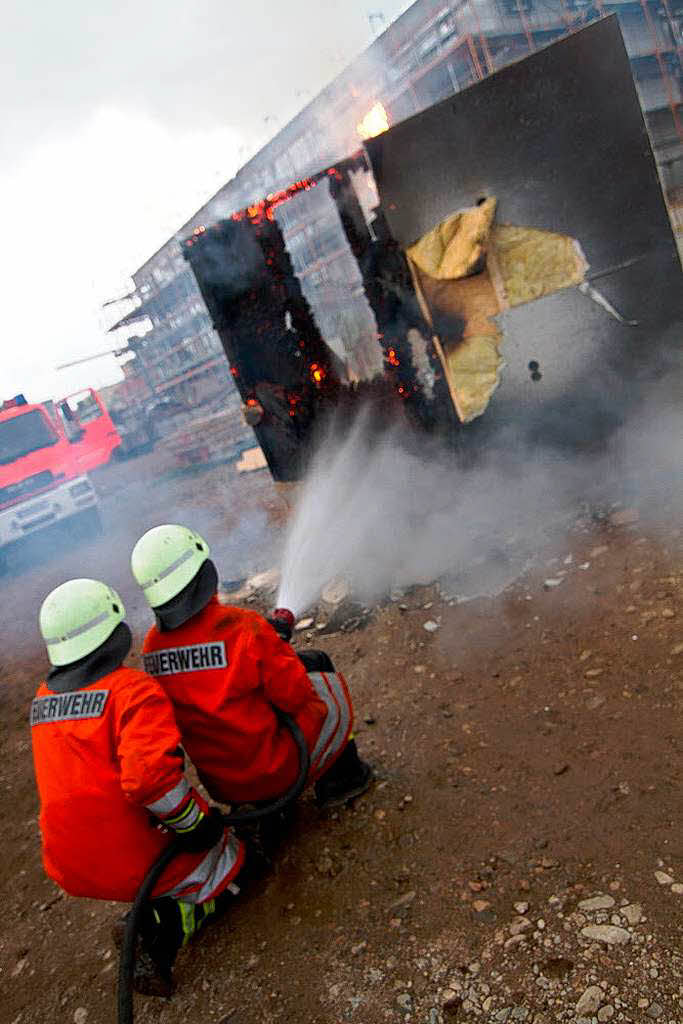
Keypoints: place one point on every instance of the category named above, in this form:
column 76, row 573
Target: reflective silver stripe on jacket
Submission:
column 334, row 733
column 202, row 883
column 167, row 803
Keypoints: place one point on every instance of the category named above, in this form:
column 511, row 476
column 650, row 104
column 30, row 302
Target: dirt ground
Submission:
column 528, row 760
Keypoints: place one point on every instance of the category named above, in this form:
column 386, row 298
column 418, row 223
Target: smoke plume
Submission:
column 390, row 511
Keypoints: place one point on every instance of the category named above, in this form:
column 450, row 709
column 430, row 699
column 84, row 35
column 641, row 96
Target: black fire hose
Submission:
column 127, row 957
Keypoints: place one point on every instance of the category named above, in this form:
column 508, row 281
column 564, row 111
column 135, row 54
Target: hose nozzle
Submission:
column 282, row 621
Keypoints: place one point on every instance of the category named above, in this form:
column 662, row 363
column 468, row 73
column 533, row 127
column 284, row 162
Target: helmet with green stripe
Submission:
column 77, row 617
column 165, row 559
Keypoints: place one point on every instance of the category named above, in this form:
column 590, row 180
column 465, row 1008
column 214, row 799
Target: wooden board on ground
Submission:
column 251, row 460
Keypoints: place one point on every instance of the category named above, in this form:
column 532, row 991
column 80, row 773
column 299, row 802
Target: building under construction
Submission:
column 433, row 51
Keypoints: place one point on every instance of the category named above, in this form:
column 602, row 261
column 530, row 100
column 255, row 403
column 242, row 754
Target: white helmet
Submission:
column 77, row 617
column 165, row 559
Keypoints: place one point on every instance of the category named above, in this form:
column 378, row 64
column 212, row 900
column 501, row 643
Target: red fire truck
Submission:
column 46, row 451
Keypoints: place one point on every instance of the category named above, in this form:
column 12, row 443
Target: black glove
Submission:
column 282, row 622
column 206, row 833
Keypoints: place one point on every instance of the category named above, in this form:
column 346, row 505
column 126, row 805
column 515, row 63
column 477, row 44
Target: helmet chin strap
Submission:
column 192, row 599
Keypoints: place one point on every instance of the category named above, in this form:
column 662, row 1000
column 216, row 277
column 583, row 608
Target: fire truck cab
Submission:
column 89, row 428
column 46, row 450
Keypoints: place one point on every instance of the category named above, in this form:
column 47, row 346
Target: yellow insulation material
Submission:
column 533, row 263
column 467, row 270
column 454, row 248
column 474, row 369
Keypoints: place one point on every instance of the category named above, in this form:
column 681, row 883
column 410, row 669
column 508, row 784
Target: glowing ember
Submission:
column 374, row 123
column 293, row 402
column 265, row 208
column 317, row 373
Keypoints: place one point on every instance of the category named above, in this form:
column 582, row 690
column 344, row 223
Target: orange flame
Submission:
column 374, row 123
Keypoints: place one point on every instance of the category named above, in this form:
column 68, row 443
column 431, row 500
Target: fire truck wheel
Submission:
column 89, row 523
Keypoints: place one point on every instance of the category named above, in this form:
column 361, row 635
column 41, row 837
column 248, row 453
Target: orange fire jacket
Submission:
column 103, row 755
column 225, row 671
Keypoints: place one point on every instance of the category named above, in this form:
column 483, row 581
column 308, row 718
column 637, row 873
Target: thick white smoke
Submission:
column 384, row 516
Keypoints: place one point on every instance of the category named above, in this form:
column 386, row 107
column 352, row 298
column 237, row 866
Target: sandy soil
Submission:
column 528, row 757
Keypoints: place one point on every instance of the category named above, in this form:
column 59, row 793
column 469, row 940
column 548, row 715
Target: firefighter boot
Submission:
column 347, row 778
column 149, row 977
column 165, row 926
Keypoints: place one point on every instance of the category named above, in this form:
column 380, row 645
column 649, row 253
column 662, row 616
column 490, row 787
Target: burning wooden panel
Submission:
column 412, row 373
column 500, row 213
column 280, row 363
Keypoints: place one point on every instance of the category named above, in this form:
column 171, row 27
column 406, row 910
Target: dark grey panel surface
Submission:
column 558, row 138
column 596, row 374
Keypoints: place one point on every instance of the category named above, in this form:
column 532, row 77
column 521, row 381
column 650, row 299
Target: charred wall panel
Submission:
column 559, row 141
column 389, row 290
column 278, row 359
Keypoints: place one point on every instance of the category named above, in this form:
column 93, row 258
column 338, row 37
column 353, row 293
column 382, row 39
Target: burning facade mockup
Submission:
column 476, row 230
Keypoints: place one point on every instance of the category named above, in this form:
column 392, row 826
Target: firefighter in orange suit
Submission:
column 110, row 770
column 228, row 673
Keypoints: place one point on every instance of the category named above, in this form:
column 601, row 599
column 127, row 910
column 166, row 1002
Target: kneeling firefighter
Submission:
column 110, row 771
column 228, row 672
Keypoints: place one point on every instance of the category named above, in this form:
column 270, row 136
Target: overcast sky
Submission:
column 119, row 120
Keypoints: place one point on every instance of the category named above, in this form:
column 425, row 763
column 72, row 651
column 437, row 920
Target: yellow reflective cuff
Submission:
column 190, row 826
column 188, row 819
column 187, row 920
column 193, row 916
